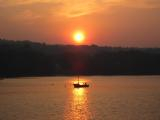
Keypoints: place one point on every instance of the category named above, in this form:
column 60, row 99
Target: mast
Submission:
column 78, row 79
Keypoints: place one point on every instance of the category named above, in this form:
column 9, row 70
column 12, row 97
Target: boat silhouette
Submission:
column 80, row 85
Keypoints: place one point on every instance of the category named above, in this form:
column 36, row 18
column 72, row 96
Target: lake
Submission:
column 54, row 98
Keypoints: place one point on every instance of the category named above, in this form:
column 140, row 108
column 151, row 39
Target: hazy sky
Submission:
column 105, row 22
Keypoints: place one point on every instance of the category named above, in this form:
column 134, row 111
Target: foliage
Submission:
column 25, row 58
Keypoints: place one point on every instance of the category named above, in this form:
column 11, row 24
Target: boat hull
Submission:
column 80, row 86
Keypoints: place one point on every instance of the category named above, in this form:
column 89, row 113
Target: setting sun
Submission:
column 79, row 37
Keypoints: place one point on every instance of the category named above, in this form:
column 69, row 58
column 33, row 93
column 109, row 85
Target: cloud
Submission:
column 29, row 12
column 73, row 8
column 6, row 3
column 142, row 3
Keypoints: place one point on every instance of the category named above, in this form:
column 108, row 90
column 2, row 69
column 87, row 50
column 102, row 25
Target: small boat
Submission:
column 80, row 85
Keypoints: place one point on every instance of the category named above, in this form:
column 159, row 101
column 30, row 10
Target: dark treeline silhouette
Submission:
column 25, row 58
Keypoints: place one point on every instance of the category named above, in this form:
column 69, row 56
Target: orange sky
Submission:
column 133, row 23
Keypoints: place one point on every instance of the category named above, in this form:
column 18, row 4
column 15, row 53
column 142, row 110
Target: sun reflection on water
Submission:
column 77, row 105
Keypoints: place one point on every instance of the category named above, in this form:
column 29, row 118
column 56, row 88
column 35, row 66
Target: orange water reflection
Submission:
column 80, row 81
column 77, row 105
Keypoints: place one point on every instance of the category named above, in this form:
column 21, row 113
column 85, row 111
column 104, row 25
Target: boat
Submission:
column 80, row 85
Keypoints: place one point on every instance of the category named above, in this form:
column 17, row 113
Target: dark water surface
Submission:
column 54, row 98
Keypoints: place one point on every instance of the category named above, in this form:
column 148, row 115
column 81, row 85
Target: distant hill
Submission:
column 26, row 58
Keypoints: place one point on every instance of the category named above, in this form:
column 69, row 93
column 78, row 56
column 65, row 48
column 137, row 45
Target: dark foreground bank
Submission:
column 36, row 59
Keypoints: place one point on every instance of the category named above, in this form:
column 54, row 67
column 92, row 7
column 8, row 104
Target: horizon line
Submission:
column 65, row 44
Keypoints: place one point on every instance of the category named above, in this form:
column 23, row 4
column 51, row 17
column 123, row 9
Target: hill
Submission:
column 26, row 58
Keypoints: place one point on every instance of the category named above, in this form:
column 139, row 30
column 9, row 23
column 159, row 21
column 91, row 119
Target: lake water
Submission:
column 54, row 98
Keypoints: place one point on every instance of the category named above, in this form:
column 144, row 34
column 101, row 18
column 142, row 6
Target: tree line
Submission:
column 26, row 58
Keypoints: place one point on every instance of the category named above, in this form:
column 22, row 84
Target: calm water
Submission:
column 54, row 98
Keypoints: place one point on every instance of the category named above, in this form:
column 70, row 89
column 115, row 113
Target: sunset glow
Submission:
column 125, row 23
column 81, row 81
column 79, row 37
column 80, row 59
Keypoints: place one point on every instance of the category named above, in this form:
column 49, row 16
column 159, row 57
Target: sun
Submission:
column 79, row 37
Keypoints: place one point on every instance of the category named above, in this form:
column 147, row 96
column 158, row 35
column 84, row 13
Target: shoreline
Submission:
column 35, row 76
